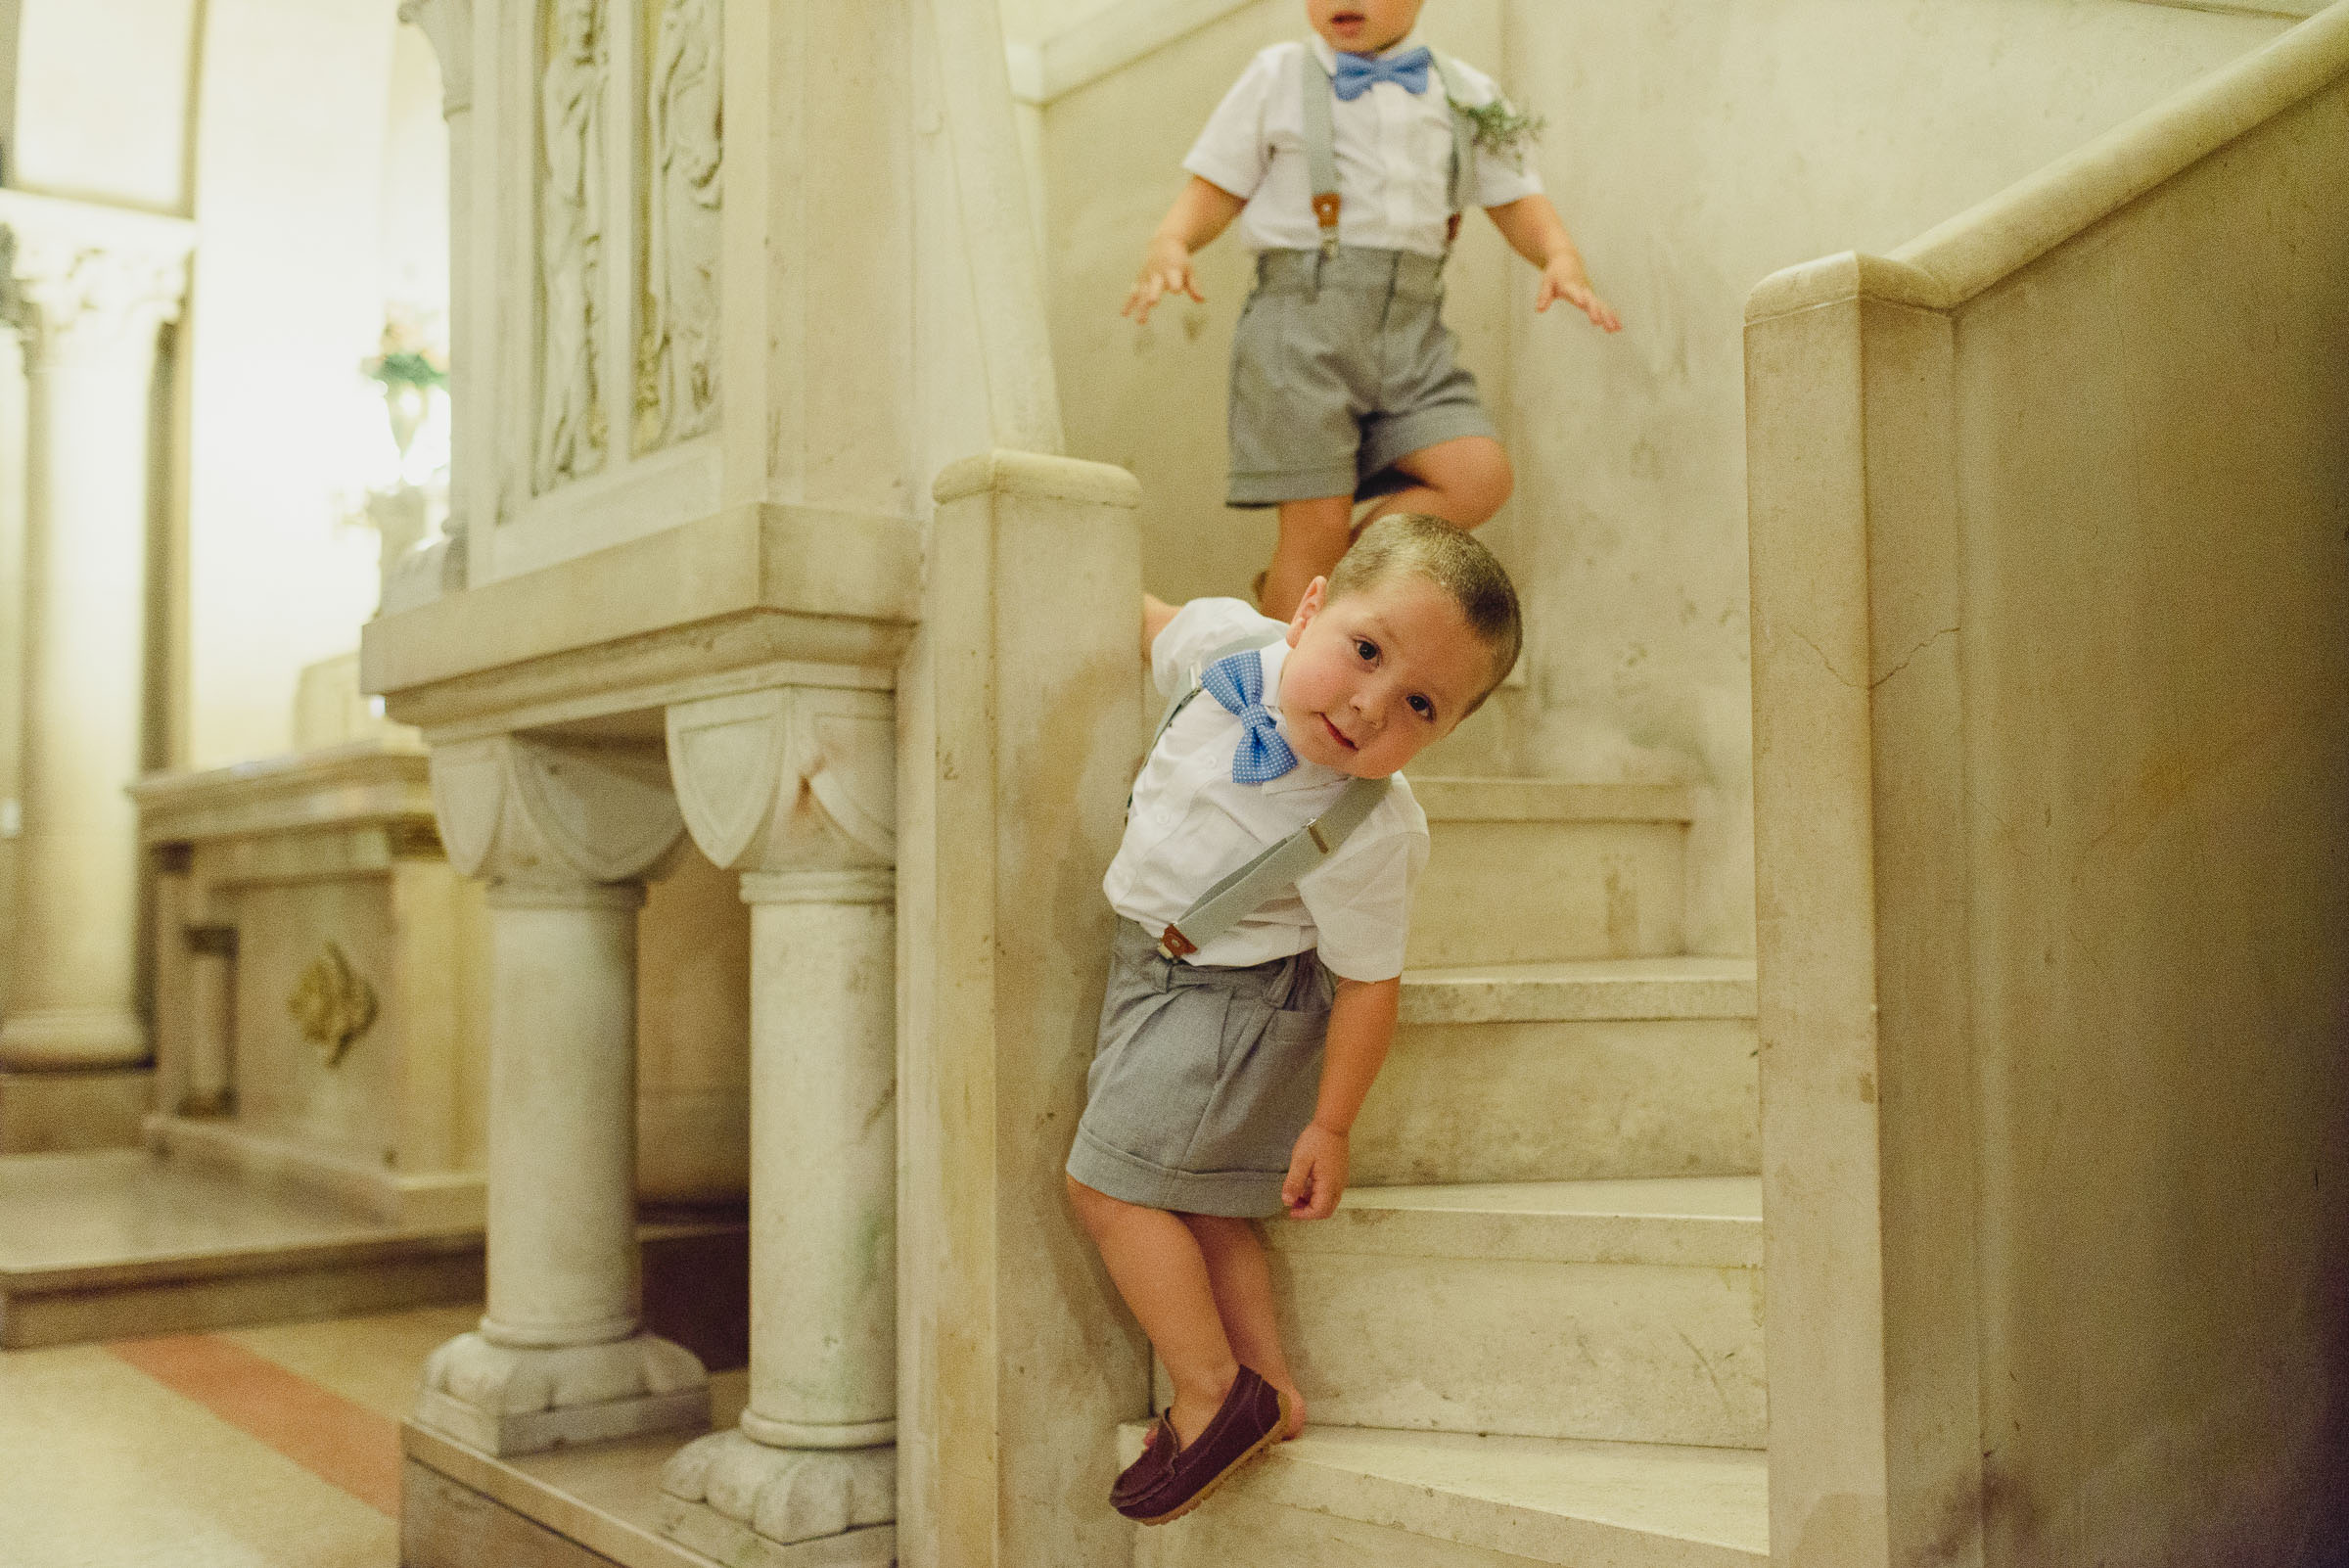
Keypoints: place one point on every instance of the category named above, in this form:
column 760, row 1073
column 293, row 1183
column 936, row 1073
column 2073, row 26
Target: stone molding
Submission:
column 448, row 25
column 85, row 280
column 528, row 813
column 788, row 779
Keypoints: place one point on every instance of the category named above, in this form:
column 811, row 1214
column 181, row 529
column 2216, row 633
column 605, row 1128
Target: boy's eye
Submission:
column 1422, row 707
column 1365, row 648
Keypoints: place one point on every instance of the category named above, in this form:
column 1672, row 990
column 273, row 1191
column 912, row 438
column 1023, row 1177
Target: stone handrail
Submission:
column 1957, row 260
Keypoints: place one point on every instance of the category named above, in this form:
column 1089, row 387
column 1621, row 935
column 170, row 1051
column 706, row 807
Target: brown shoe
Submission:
column 1168, row 1482
column 1147, row 1472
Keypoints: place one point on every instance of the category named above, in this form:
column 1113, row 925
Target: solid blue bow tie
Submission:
column 1238, row 683
column 1358, row 74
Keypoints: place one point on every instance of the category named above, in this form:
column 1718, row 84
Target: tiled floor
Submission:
column 253, row 1447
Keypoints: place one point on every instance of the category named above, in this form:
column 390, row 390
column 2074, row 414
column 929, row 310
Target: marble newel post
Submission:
column 565, row 836
column 93, row 286
column 796, row 788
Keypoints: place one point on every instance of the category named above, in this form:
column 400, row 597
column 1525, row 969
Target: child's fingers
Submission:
column 1299, row 1182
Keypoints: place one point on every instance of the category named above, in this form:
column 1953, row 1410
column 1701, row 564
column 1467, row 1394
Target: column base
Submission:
column 736, row 1500
column 500, row 1399
column 51, row 1112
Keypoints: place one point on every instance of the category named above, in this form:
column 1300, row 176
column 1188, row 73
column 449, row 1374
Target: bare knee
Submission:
column 1481, row 481
column 1470, row 478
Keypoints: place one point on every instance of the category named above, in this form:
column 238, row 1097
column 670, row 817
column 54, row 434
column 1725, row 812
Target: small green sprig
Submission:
column 410, row 368
column 1502, row 128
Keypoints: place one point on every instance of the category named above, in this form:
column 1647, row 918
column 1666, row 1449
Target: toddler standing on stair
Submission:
column 1270, row 845
column 1348, row 161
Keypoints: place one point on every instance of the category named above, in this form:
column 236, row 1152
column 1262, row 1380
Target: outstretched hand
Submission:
column 1316, row 1178
column 1167, row 271
column 1563, row 279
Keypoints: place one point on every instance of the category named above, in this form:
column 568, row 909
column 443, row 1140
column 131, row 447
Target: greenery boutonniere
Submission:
column 1502, row 128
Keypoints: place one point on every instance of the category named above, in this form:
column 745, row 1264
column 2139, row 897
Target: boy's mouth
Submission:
column 1346, row 21
column 1336, row 733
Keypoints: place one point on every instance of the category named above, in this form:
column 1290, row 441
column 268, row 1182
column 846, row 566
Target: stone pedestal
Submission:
column 95, row 286
column 564, row 835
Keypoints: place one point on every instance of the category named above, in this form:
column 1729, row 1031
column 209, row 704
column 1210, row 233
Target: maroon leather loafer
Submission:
column 1168, row 1482
column 1144, row 1474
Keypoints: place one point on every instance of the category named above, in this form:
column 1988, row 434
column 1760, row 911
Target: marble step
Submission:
column 1562, row 1071
column 1530, row 870
column 1355, row 1497
column 1615, row 1310
column 117, row 1243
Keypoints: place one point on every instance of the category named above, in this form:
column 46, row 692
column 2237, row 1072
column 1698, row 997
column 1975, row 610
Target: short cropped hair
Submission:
column 1449, row 558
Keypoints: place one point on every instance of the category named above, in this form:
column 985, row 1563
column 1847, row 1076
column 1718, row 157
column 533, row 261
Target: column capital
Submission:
column 83, row 278
column 543, row 819
column 790, row 778
column 448, row 24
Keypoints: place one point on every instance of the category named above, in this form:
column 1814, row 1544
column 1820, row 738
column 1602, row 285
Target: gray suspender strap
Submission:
column 1314, row 93
column 1463, row 140
column 1241, row 894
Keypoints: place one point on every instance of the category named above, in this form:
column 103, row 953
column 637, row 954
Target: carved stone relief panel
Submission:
column 572, row 200
column 683, row 145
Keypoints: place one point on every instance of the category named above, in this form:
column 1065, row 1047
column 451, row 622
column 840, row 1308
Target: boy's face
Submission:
column 1361, row 26
column 1374, row 678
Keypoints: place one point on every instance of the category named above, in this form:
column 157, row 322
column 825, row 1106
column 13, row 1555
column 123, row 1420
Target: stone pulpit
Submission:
column 732, row 285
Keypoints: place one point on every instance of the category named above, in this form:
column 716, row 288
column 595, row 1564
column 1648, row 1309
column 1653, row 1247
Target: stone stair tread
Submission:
column 1457, row 798
column 1593, row 990
column 1551, row 1499
column 1692, row 1222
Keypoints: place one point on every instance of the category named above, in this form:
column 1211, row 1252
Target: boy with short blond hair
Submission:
column 1229, row 1066
column 1347, row 161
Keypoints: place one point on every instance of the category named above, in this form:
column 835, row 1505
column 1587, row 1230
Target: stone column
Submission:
column 93, row 286
column 796, row 788
column 565, row 837
column 212, row 996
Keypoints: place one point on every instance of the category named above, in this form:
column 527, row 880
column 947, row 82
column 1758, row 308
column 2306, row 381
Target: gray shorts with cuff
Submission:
column 1340, row 366
column 1202, row 1079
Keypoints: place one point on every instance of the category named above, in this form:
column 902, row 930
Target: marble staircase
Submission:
column 1533, row 1333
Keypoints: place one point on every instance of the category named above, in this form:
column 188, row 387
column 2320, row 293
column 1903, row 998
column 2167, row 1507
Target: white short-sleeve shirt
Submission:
column 1191, row 824
column 1392, row 151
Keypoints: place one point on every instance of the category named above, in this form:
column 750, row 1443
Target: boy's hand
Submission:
column 1316, row 1178
column 1563, row 279
column 1167, row 270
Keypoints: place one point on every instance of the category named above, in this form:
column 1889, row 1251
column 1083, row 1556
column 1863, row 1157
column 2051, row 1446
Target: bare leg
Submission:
column 1155, row 1261
column 1462, row 480
column 1243, row 1286
column 1313, row 533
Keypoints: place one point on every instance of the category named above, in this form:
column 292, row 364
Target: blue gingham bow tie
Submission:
column 1358, row 74
column 1238, row 683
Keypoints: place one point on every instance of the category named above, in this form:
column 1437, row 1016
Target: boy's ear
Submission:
column 1307, row 607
